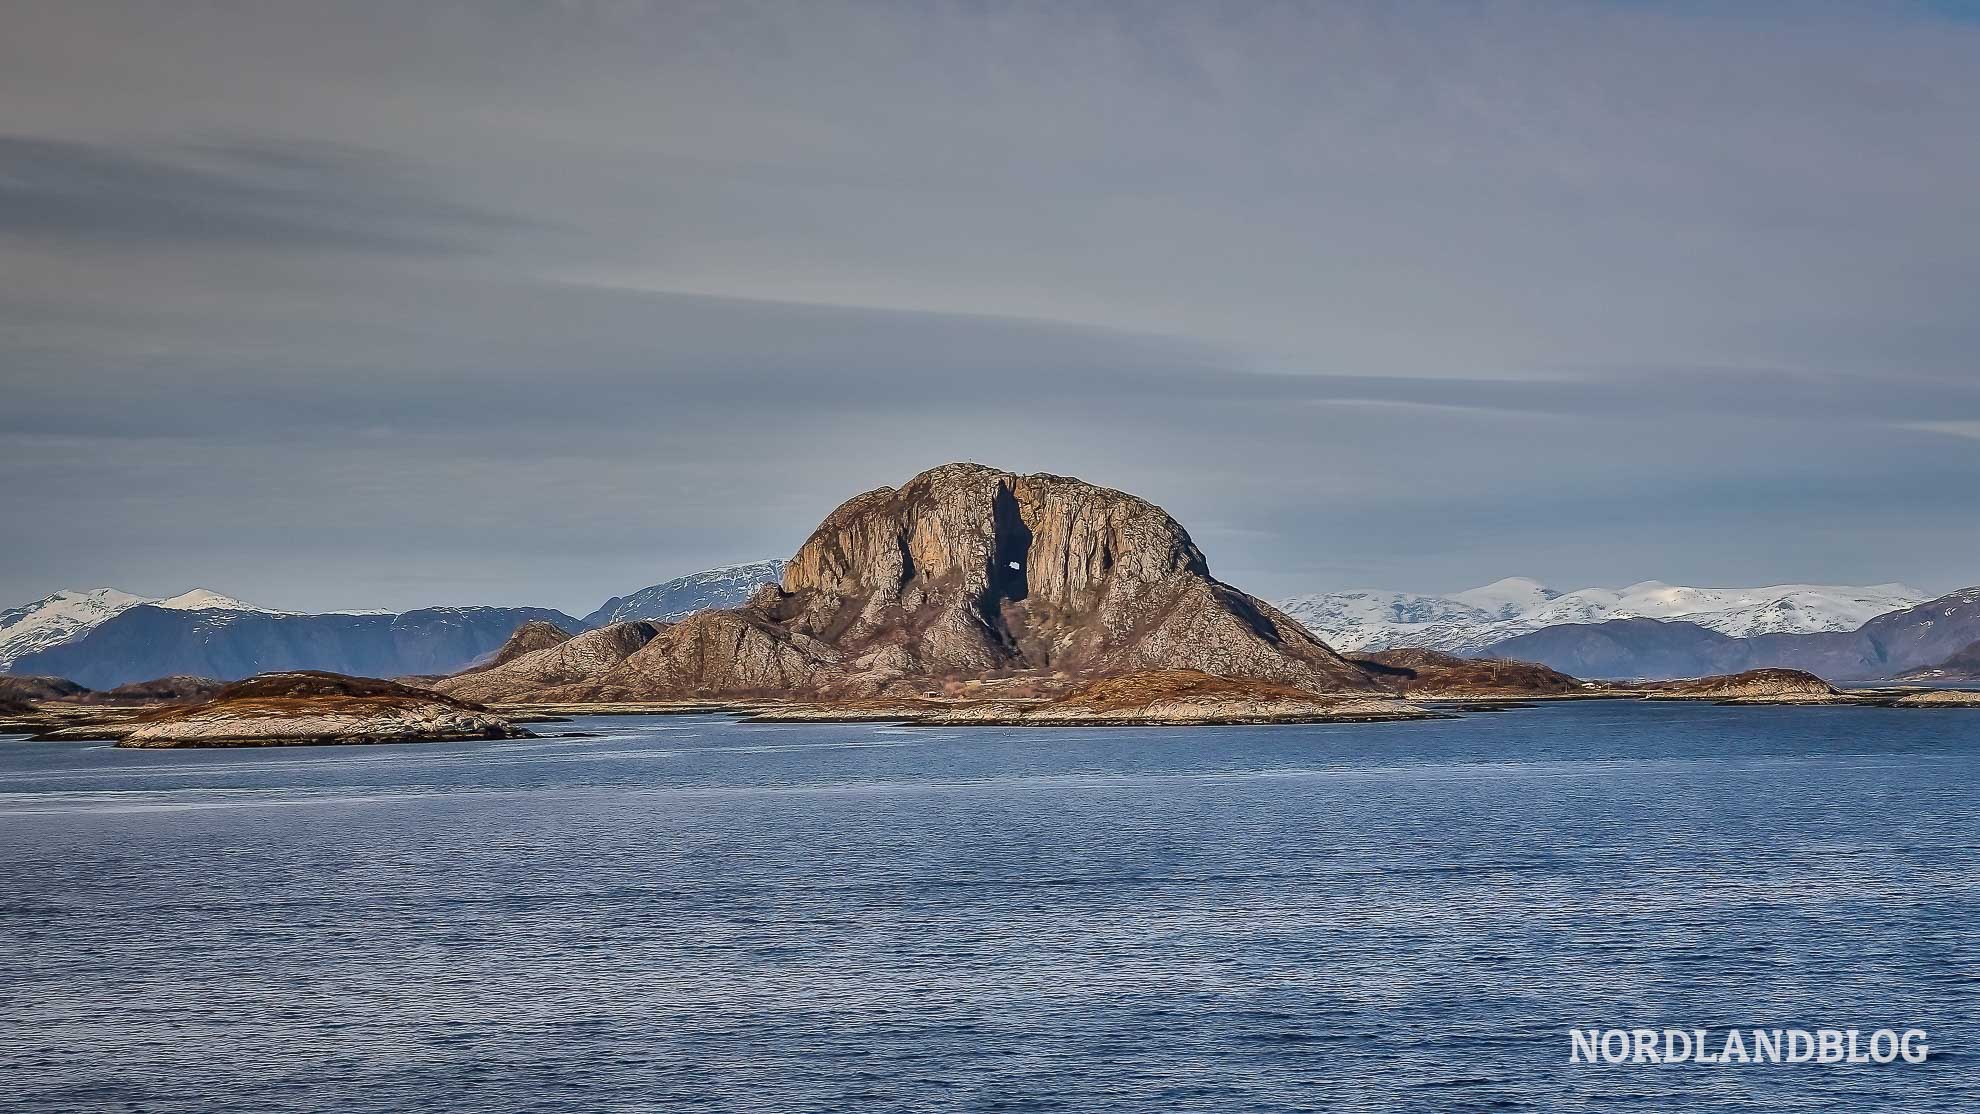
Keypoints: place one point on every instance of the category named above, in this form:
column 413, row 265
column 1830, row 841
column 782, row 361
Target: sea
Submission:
column 698, row 914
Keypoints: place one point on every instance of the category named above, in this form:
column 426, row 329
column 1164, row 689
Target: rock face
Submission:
column 1431, row 674
column 968, row 572
column 537, row 634
column 573, row 662
column 1769, row 686
column 292, row 709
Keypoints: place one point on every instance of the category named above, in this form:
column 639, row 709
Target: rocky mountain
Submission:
column 147, row 640
column 537, row 634
column 62, row 617
column 962, row 573
column 1884, row 647
column 1470, row 621
column 571, row 664
column 728, row 586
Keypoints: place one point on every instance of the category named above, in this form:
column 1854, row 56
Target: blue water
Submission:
column 694, row 914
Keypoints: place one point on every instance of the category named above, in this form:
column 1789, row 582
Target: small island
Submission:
column 311, row 708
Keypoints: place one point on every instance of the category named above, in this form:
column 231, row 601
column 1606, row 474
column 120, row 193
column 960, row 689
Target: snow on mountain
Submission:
column 1472, row 620
column 1509, row 598
column 69, row 615
column 727, row 586
column 62, row 617
column 206, row 599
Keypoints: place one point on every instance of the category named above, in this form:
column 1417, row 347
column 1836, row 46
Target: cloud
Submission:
column 1953, row 429
column 548, row 303
column 264, row 194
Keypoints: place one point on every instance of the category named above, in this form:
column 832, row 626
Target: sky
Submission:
column 342, row 305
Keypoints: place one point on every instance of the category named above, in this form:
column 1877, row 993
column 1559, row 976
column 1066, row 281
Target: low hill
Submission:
column 1770, row 686
column 35, row 689
column 1961, row 667
column 307, row 707
column 1432, row 674
column 164, row 690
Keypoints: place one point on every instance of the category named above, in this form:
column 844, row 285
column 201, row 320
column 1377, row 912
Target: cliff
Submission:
column 962, row 573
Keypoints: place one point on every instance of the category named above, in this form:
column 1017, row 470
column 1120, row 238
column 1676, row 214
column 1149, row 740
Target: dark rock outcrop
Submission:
column 36, row 690
column 1432, row 674
column 966, row 572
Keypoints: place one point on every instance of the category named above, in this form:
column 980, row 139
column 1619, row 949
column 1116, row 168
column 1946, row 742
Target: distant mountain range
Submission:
column 1886, row 646
column 62, row 617
column 1469, row 622
column 107, row 638
column 727, row 586
column 104, row 637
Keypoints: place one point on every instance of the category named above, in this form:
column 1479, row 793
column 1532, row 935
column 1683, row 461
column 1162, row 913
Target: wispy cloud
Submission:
column 267, row 194
column 1408, row 290
column 1953, row 429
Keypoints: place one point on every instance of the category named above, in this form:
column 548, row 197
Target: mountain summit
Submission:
column 966, row 573
column 727, row 586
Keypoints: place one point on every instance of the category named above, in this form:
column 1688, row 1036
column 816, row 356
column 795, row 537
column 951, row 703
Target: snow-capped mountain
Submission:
column 62, row 617
column 1471, row 620
column 141, row 642
column 727, row 586
column 206, row 599
column 68, row 617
